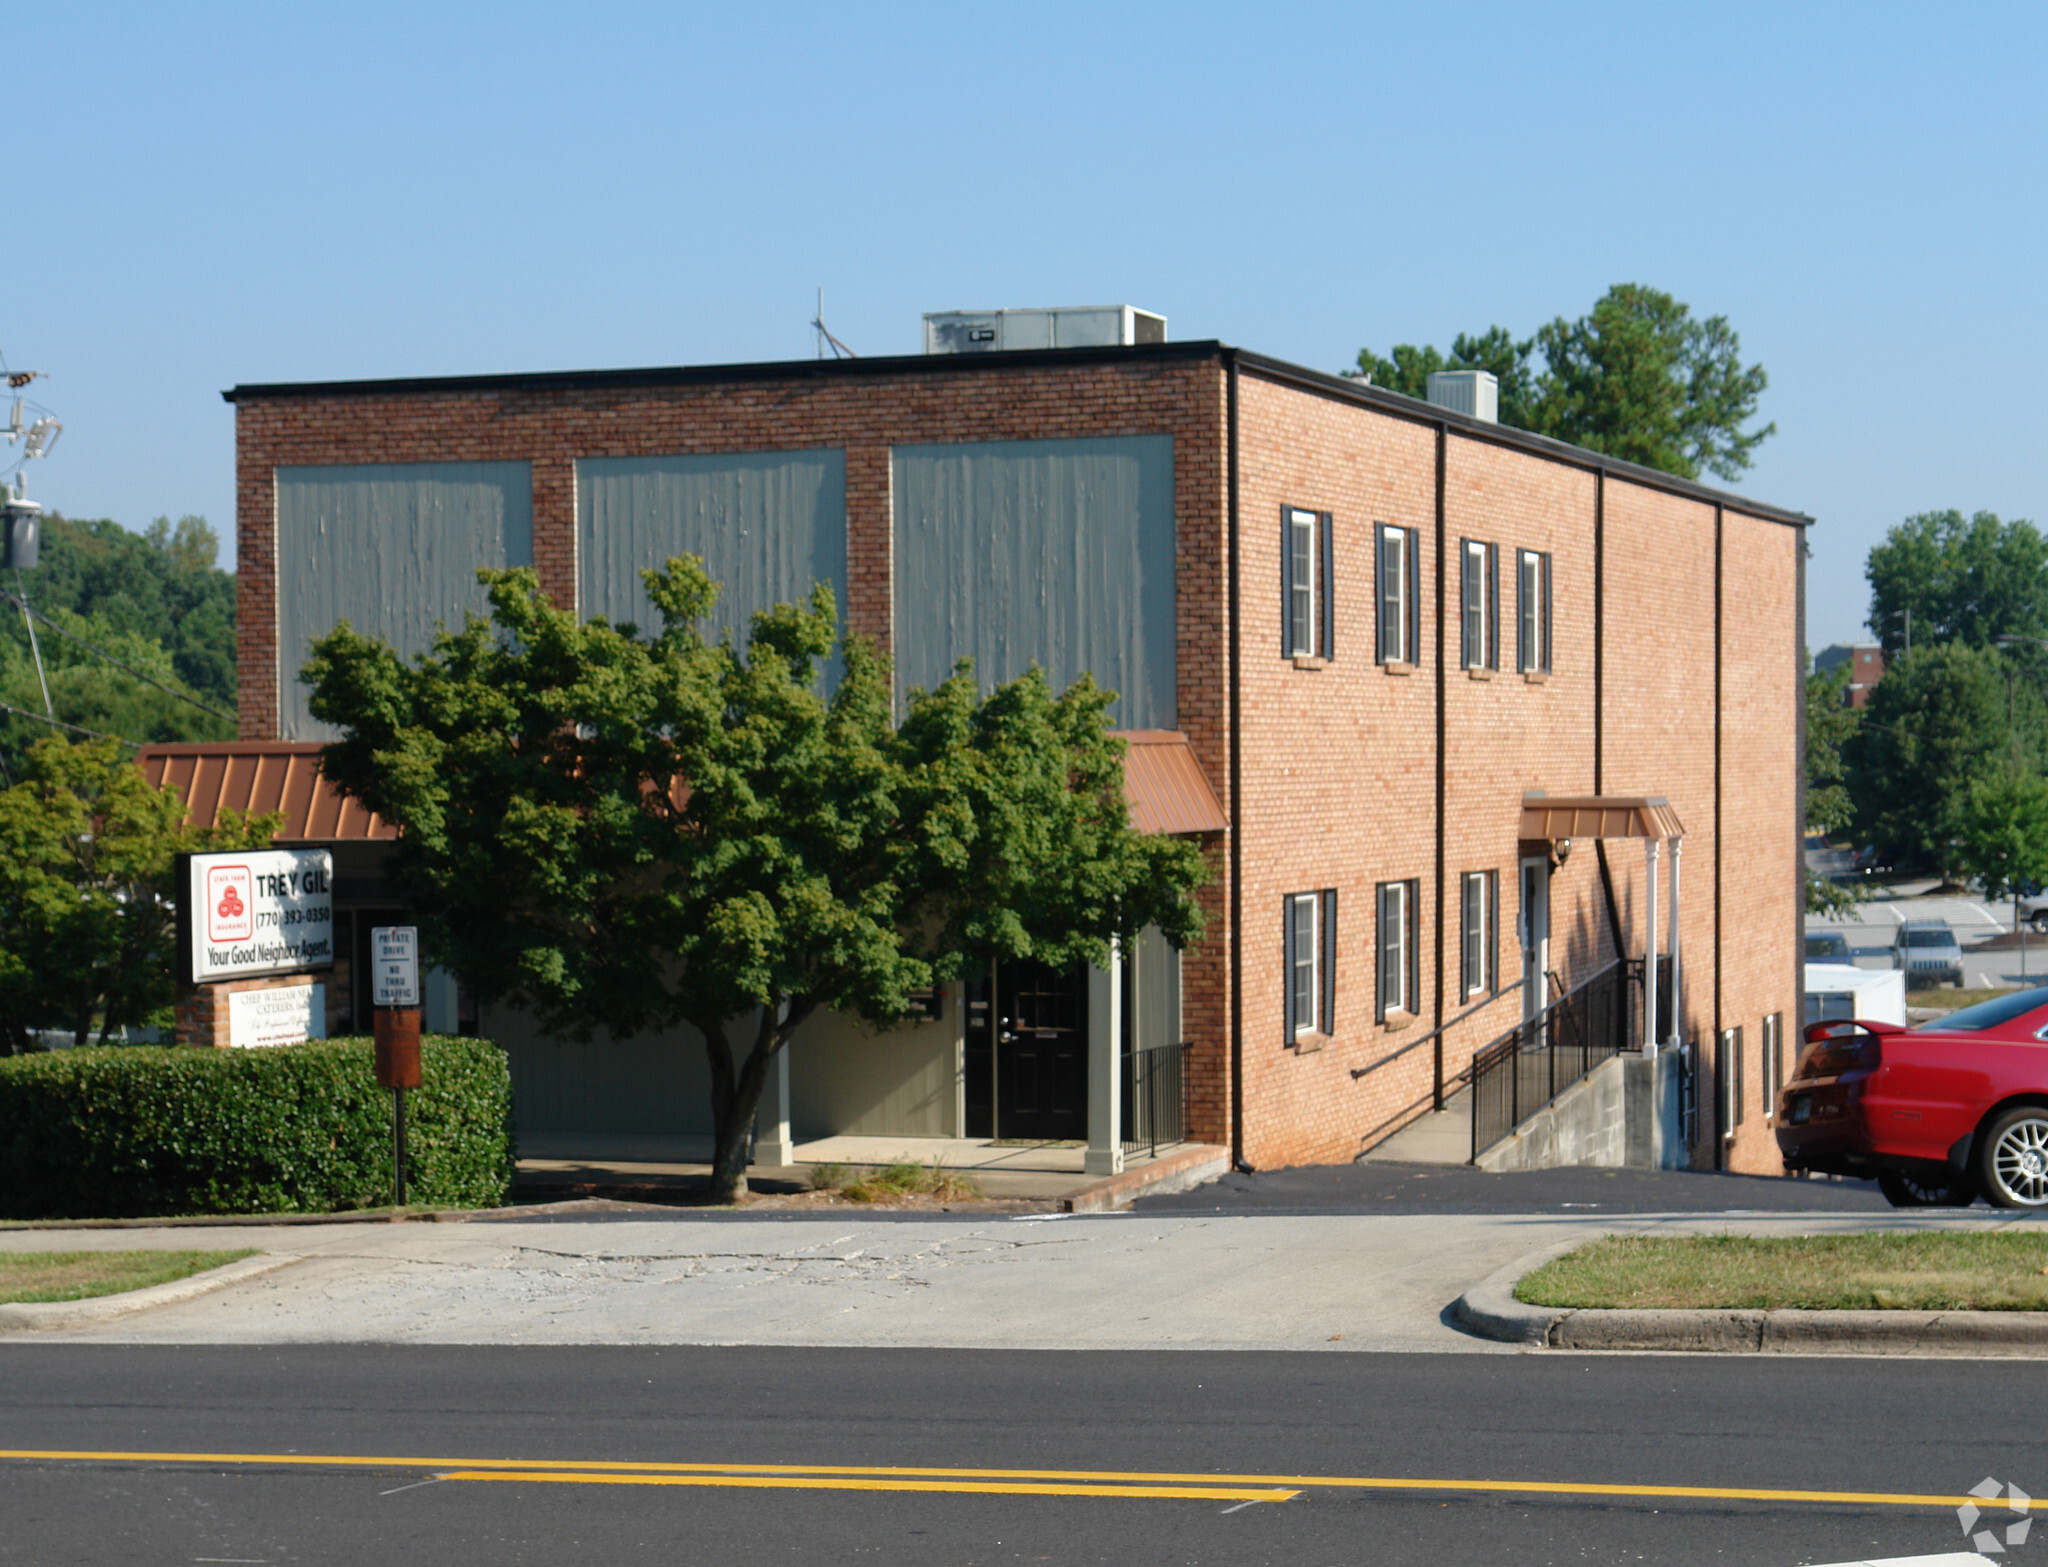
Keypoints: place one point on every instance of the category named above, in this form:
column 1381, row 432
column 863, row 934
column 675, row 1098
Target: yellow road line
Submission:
column 1118, row 1478
column 795, row 1483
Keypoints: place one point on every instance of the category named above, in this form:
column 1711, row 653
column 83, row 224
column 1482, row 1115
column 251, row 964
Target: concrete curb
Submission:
column 1173, row 1172
column 1489, row 1310
column 26, row 1317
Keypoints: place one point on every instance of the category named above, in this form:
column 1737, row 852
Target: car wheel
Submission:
column 1947, row 1190
column 2012, row 1159
column 2040, row 922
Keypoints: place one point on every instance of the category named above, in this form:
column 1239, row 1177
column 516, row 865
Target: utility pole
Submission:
column 20, row 517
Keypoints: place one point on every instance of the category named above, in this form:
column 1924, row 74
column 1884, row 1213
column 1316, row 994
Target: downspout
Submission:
column 1443, row 435
column 1720, row 561
column 1600, row 698
column 1236, row 795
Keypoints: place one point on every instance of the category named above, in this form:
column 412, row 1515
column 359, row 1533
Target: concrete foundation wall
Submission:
column 1623, row 1113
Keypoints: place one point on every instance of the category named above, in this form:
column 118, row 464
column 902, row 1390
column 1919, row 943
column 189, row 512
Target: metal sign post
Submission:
column 395, row 983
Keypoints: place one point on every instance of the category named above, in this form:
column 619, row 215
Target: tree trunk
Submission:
column 735, row 1096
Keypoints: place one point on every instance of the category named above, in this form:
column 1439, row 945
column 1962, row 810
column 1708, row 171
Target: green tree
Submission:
column 1962, row 579
column 155, row 600
column 630, row 832
column 2003, row 833
column 1830, row 722
column 86, row 912
column 1638, row 377
column 1495, row 349
column 1935, row 729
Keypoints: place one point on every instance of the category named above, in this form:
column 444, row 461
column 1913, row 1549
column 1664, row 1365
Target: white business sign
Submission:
column 288, row 1016
column 395, row 966
column 263, row 911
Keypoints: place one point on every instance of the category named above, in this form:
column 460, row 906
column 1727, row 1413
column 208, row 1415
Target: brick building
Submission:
column 1864, row 662
column 1365, row 642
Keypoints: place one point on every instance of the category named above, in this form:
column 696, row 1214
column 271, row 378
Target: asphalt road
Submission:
column 1457, row 1188
column 308, row 1420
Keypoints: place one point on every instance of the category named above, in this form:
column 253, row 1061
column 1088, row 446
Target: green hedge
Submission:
column 140, row 1132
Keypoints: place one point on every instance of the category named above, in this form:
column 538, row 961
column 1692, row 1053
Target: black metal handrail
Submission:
column 1155, row 1098
column 1530, row 1065
column 1436, row 1035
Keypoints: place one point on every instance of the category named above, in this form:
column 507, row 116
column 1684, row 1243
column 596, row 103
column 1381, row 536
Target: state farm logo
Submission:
column 229, row 896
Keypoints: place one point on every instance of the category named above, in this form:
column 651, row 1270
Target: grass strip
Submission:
column 35, row 1277
column 1890, row 1271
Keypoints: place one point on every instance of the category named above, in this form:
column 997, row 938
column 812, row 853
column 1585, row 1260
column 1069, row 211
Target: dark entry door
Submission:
column 1041, row 1056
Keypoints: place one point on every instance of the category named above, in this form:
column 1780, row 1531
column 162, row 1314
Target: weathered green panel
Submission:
column 768, row 524
column 392, row 548
column 1059, row 551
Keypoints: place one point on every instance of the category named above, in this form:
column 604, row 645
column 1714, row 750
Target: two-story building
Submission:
column 1414, row 678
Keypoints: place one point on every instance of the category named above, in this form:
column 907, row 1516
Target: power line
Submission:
column 22, row 712
column 73, row 636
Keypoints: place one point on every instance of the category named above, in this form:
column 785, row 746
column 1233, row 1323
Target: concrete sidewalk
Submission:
column 1118, row 1280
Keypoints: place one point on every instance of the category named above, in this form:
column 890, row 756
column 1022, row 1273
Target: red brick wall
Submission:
column 1339, row 761
column 865, row 415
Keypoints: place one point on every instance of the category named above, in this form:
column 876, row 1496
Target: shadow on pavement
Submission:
column 1414, row 1188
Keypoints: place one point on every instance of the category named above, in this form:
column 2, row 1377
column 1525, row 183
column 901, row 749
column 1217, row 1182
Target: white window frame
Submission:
column 1532, row 611
column 1395, row 632
column 1304, row 592
column 1771, row 1070
column 1305, row 1021
column 1395, row 959
column 1473, row 608
column 1476, row 905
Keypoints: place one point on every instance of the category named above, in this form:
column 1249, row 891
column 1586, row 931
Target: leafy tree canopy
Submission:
column 1830, row 721
column 86, row 916
column 628, row 832
column 2002, row 836
column 1639, row 377
column 155, row 600
column 1963, row 579
column 1934, row 730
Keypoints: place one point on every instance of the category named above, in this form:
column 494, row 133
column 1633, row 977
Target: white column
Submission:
column 772, row 1143
column 1105, row 1154
column 1650, row 847
column 1677, row 1027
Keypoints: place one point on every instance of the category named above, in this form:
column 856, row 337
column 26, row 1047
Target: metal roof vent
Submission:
column 1083, row 326
column 1474, row 392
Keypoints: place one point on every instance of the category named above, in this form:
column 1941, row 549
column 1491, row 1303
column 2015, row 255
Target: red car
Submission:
column 1940, row 1114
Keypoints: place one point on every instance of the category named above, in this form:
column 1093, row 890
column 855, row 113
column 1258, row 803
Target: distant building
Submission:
column 1865, row 663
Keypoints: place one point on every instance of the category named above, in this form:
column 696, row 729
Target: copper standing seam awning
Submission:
column 1162, row 780
column 260, row 776
column 1554, row 817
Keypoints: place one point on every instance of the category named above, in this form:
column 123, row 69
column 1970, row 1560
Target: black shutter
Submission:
column 1286, row 582
column 1492, row 932
column 1414, row 934
column 1287, row 968
column 1329, row 1018
column 1329, row 585
column 1546, row 614
column 1414, row 595
column 1380, row 944
column 1493, row 606
column 1388, row 650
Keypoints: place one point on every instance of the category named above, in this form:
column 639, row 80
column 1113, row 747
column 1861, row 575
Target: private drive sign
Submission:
column 263, row 911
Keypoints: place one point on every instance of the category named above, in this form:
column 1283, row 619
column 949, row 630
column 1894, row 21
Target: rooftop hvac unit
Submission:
column 995, row 331
column 1474, row 392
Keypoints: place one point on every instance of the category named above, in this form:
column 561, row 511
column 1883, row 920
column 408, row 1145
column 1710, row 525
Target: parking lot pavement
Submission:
column 1870, row 927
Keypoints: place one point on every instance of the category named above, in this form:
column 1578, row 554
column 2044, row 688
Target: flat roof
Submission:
column 1280, row 370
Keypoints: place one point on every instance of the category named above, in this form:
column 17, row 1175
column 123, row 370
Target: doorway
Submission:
column 1534, row 928
column 1026, row 1053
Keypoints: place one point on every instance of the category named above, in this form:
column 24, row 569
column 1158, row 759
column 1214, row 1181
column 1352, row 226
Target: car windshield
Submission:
column 1929, row 938
column 1829, row 943
column 1987, row 1014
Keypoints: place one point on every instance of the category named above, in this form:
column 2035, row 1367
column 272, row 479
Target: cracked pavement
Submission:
column 1333, row 1282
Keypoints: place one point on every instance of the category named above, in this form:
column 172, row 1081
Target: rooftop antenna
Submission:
column 825, row 338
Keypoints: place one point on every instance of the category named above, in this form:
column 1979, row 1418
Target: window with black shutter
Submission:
column 1309, row 921
column 1479, row 597
column 1478, row 902
column 1399, row 594
column 1308, row 614
column 1395, row 984
column 1532, row 627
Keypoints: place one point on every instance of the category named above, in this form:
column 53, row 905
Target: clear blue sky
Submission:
column 204, row 194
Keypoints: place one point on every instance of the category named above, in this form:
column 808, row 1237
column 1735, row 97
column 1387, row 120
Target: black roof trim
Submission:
column 1272, row 369
column 704, row 375
column 1413, row 408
